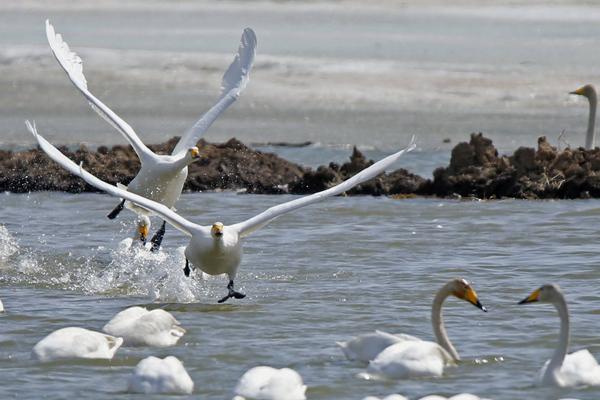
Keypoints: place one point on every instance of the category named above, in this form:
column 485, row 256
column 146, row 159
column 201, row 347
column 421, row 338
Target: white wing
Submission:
column 164, row 212
column 234, row 81
column 250, row 225
column 73, row 66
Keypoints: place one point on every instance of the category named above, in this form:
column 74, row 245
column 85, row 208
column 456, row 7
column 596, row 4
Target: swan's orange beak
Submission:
column 579, row 91
column 471, row 296
column 533, row 297
column 217, row 229
column 195, row 152
column 143, row 231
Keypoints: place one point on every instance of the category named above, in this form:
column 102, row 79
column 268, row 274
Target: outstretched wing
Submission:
column 250, row 225
column 73, row 66
column 164, row 212
column 234, row 81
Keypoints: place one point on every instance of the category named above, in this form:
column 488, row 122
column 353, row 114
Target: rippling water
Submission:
column 322, row 274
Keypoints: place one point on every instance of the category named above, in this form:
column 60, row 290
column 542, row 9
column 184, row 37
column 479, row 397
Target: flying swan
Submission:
column 564, row 370
column 413, row 357
column 217, row 249
column 589, row 91
column 161, row 177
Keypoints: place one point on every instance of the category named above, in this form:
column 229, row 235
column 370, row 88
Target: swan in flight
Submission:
column 589, row 91
column 217, row 249
column 564, row 370
column 413, row 357
column 161, row 177
column 140, row 327
column 72, row 342
column 153, row 375
column 267, row 383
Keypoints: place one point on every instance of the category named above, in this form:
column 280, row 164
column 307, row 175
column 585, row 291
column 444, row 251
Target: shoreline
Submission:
column 475, row 171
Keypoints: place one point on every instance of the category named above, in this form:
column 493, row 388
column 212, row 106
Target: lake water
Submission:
column 337, row 74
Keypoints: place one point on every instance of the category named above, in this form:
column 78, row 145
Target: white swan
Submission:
column 217, row 249
column 267, row 383
column 1, row 306
column 390, row 397
column 72, row 342
column 140, row 327
column 165, row 376
column 161, row 177
column 589, row 91
column 564, row 370
column 419, row 358
column 366, row 347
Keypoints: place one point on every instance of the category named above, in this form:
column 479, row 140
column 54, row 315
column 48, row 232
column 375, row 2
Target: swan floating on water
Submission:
column 217, row 249
column 564, row 370
column 73, row 342
column 1, row 306
column 161, row 177
column 462, row 396
column 164, row 376
column 140, row 327
column 389, row 397
column 589, row 92
column 267, row 383
column 413, row 357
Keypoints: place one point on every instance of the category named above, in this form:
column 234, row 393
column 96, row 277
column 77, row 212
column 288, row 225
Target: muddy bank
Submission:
column 477, row 170
column 223, row 166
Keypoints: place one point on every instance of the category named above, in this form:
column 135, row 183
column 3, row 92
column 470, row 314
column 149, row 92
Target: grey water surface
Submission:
column 320, row 275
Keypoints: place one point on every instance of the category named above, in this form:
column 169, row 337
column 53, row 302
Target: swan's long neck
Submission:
column 590, row 139
column 563, row 341
column 438, row 323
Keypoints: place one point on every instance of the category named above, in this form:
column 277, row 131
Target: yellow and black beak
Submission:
column 195, row 152
column 143, row 231
column 579, row 91
column 532, row 298
column 217, row 230
column 472, row 298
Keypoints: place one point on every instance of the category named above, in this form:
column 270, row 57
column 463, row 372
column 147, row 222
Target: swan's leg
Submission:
column 158, row 237
column 117, row 210
column 187, row 270
column 232, row 293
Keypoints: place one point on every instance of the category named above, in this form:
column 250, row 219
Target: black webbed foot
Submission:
column 186, row 269
column 232, row 293
column 158, row 237
column 117, row 210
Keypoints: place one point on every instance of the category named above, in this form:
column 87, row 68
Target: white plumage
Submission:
column 161, row 177
column 163, row 376
column 390, row 397
column 72, row 342
column 267, row 383
column 366, row 347
column 217, row 249
column 140, row 327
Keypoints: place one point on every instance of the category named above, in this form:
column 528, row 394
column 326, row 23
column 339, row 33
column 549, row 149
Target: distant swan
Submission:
column 564, row 370
column 413, row 357
column 67, row 343
column 589, row 91
column 166, row 376
column 140, row 327
column 1, row 306
column 266, row 383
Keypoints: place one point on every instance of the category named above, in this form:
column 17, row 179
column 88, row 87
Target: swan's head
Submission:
column 462, row 289
column 544, row 294
column 217, row 230
column 143, row 228
column 193, row 153
column 588, row 91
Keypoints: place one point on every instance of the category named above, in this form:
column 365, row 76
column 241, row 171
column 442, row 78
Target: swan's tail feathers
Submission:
column 117, row 210
column 113, row 344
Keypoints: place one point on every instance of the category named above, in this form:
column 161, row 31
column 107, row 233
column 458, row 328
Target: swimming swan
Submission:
column 419, row 358
column 155, row 375
column 564, row 370
column 72, row 342
column 267, row 383
column 140, row 327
